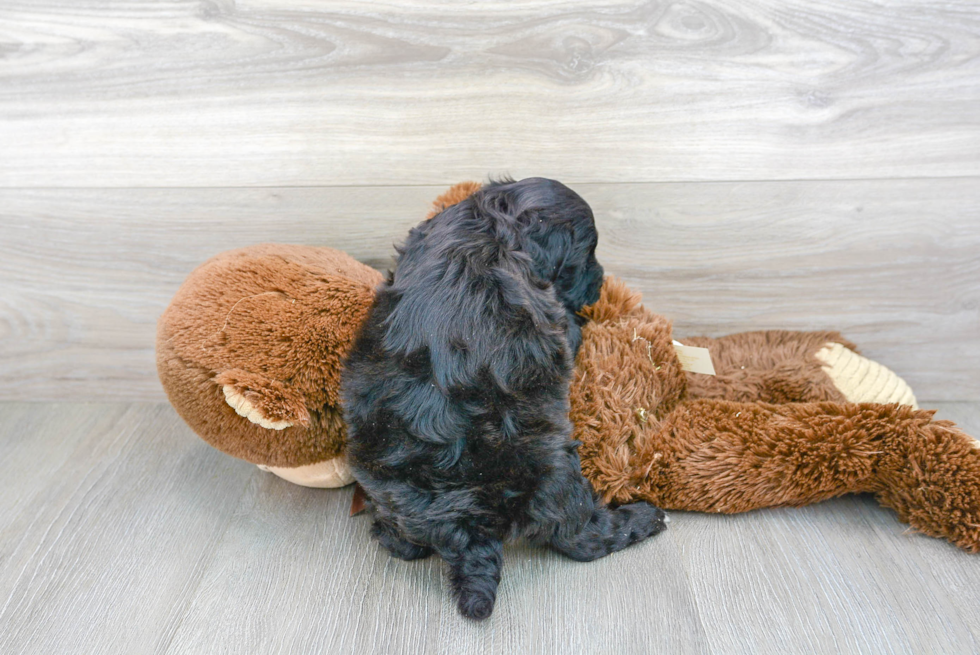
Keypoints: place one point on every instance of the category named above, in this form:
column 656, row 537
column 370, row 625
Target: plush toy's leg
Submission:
column 780, row 366
column 930, row 476
column 720, row 456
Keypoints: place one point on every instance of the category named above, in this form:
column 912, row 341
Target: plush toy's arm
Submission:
column 720, row 456
column 780, row 366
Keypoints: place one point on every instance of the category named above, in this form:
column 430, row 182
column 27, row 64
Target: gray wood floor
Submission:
column 122, row 532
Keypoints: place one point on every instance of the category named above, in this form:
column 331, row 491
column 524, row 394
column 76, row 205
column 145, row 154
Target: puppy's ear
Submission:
column 548, row 249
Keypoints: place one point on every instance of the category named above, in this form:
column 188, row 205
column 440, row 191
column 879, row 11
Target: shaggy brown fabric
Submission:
column 773, row 366
column 645, row 439
column 274, row 322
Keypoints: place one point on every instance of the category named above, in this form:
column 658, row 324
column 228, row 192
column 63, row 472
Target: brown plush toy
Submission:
column 249, row 353
column 778, row 425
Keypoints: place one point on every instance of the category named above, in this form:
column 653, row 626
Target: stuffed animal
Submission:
column 778, row 425
column 249, row 352
column 250, row 349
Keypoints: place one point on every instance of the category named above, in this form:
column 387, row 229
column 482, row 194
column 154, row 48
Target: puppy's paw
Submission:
column 396, row 545
column 476, row 605
column 642, row 520
column 407, row 551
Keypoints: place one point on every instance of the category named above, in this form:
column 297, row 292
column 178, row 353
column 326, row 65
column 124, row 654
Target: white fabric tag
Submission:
column 694, row 359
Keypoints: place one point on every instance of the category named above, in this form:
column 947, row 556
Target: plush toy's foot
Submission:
column 328, row 474
column 719, row 456
column 862, row 380
column 931, row 477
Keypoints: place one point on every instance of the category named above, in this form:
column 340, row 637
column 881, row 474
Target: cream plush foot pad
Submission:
column 328, row 474
column 862, row 380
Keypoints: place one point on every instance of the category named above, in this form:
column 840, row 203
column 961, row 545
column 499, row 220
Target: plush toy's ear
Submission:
column 456, row 193
column 262, row 401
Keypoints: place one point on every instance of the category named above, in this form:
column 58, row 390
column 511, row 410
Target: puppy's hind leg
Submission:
column 396, row 545
column 609, row 530
column 474, row 575
column 572, row 519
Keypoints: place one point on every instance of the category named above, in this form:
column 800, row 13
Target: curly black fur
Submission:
column 456, row 390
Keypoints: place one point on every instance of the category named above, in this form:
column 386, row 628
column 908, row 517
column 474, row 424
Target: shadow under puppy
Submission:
column 456, row 392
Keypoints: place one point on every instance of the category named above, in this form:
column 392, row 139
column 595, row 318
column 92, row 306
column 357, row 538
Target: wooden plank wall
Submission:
column 756, row 164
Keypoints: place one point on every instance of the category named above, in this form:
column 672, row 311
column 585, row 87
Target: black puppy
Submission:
column 456, row 390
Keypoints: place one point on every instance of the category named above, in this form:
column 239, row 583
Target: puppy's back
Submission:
column 463, row 353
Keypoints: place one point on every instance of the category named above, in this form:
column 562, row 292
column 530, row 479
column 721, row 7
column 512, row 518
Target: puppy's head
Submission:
column 557, row 229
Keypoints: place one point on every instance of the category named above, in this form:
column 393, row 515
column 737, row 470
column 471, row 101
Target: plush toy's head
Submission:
column 250, row 349
column 250, row 352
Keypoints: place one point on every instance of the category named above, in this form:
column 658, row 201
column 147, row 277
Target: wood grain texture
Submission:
column 893, row 264
column 293, row 548
column 116, row 516
column 835, row 577
column 121, row 532
column 273, row 93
